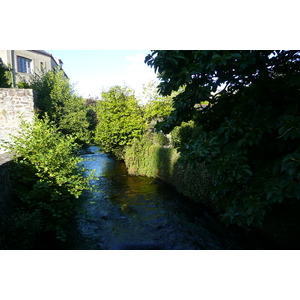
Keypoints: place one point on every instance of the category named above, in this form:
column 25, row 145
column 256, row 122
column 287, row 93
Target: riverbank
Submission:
column 281, row 226
column 147, row 158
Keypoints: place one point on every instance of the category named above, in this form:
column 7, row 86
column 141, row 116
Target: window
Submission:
column 24, row 65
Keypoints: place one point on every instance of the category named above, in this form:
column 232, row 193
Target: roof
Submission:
column 57, row 60
column 42, row 52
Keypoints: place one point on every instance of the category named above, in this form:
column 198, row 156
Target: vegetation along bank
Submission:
column 222, row 127
column 46, row 176
column 239, row 153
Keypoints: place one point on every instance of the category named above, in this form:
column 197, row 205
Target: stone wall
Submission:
column 14, row 103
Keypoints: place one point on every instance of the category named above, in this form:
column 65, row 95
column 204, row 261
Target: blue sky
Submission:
column 94, row 70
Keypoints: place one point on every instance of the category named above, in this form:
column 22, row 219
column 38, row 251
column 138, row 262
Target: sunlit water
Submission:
column 134, row 212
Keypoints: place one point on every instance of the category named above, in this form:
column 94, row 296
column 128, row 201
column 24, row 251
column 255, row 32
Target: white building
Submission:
column 23, row 63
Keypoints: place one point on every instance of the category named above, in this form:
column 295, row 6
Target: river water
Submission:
column 134, row 212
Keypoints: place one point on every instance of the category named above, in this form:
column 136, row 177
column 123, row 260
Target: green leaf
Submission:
column 248, row 172
column 236, row 55
column 216, row 56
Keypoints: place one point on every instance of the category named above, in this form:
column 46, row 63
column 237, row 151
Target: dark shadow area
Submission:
column 26, row 227
column 281, row 230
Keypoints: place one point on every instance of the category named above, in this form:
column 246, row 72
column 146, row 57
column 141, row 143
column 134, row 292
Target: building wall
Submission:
column 4, row 56
column 9, row 58
column 13, row 104
column 36, row 58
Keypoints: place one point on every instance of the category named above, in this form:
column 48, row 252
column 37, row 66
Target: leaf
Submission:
column 216, row 56
column 250, row 220
column 281, row 130
column 236, row 55
column 248, row 172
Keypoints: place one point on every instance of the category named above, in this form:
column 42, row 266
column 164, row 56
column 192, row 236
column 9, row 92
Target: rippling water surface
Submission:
column 134, row 212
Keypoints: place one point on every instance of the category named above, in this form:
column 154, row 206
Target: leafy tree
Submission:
column 56, row 98
column 203, row 72
column 120, row 120
column 91, row 114
column 157, row 107
column 47, row 174
column 250, row 134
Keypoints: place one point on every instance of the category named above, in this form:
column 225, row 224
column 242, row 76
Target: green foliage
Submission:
column 248, row 135
column 204, row 72
column 158, row 109
column 56, row 98
column 150, row 157
column 91, row 114
column 157, row 106
column 184, row 134
column 144, row 156
column 5, row 76
column 23, row 85
column 73, row 119
column 160, row 139
column 48, row 176
column 120, row 120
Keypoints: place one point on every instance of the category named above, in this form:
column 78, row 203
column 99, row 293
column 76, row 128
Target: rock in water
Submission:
column 128, row 209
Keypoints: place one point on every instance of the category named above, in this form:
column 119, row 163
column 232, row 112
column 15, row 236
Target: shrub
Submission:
column 183, row 134
column 47, row 173
column 147, row 158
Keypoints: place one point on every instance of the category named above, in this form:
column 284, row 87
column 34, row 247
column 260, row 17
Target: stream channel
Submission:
column 140, row 213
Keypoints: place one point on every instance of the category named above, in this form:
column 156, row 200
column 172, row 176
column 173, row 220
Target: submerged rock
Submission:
column 128, row 209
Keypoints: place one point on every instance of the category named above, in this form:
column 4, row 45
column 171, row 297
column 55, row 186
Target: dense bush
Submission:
column 150, row 157
column 184, row 134
column 47, row 174
column 142, row 157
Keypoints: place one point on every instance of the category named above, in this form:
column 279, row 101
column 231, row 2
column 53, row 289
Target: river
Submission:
column 140, row 213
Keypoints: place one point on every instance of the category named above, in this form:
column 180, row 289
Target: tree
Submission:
column 56, row 98
column 120, row 120
column 249, row 132
column 203, row 72
column 157, row 107
column 48, row 175
column 91, row 113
